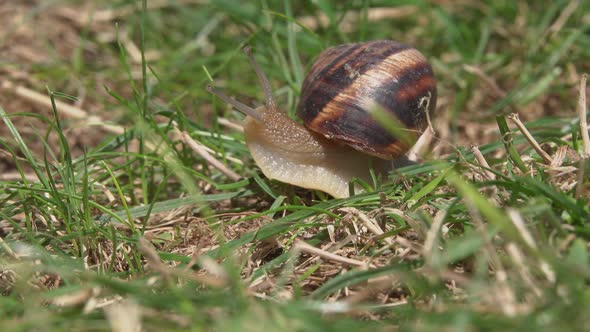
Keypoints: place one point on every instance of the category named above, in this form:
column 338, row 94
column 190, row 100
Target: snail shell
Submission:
column 348, row 82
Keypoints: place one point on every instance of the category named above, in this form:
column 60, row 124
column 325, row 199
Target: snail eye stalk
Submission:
column 238, row 105
column 270, row 100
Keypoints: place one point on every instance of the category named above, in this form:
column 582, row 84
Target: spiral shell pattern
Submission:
column 349, row 82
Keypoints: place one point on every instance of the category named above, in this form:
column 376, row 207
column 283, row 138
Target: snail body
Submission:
column 343, row 94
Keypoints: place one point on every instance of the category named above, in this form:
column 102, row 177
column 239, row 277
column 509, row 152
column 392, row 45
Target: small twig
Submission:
column 201, row 151
column 306, row 248
column 63, row 108
column 582, row 113
column 483, row 162
column 514, row 117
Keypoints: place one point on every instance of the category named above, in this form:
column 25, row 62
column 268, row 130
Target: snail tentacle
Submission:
column 267, row 89
column 236, row 104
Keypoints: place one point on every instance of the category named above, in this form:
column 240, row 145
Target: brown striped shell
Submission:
column 348, row 82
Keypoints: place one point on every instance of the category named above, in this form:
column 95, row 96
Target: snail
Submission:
column 340, row 140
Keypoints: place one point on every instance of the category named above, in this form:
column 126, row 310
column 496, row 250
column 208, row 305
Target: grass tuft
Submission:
column 129, row 200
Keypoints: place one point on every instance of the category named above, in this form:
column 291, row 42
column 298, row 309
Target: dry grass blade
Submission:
column 566, row 13
column 134, row 51
column 581, row 178
column 489, row 81
column 416, row 225
column 350, row 20
column 234, row 126
column 559, row 156
column 201, row 151
column 216, row 276
column 422, row 146
column 483, row 162
column 519, row 259
column 516, row 120
column 63, row 108
column 432, row 237
column 308, row 249
column 124, row 316
column 16, row 176
column 213, row 267
column 105, row 15
column 518, row 222
column 371, row 224
column 151, row 256
column 505, row 294
column 583, row 114
column 7, row 249
column 373, row 286
column 409, row 244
